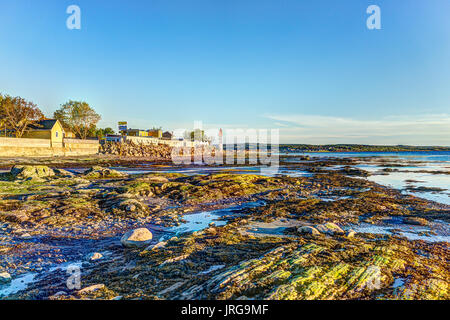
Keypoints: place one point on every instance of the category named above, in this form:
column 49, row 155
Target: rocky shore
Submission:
column 131, row 149
column 327, row 233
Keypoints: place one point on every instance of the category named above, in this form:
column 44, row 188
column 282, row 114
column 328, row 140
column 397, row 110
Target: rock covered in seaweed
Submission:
column 31, row 172
column 98, row 172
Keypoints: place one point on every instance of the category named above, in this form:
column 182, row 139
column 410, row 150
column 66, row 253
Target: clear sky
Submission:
column 310, row 68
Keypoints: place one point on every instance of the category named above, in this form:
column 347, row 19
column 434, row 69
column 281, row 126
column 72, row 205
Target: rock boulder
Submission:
column 137, row 238
column 308, row 230
column 31, row 172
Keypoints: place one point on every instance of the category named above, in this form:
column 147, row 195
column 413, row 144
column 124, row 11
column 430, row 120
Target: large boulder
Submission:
column 98, row 172
column 308, row 230
column 330, row 228
column 31, row 172
column 137, row 238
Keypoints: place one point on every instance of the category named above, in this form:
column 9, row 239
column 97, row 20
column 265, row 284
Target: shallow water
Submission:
column 398, row 282
column 209, row 170
column 406, row 167
column 17, row 284
column 410, row 176
column 409, row 231
column 202, row 220
column 416, row 155
column 23, row 281
column 399, row 180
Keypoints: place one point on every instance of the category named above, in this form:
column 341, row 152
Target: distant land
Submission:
column 356, row 148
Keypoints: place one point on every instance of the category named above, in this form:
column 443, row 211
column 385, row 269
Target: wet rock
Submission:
column 155, row 179
column 137, row 238
column 159, row 245
column 14, row 216
column 308, row 230
column 5, row 277
column 31, row 172
column 211, row 231
column 131, row 205
column 58, row 296
column 354, row 172
column 63, row 173
column 416, row 221
column 350, row 233
column 94, row 256
column 91, row 289
column 26, row 236
column 330, row 228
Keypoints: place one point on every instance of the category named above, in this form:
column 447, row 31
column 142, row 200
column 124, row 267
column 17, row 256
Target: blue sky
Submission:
column 310, row 68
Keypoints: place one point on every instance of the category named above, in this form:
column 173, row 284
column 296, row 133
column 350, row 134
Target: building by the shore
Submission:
column 47, row 138
column 155, row 133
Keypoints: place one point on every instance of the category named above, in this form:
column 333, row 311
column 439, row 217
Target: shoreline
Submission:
column 233, row 216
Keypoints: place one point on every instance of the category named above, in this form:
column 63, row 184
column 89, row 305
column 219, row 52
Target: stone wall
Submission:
column 74, row 147
column 131, row 149
column 156, row 141
column 26, row 147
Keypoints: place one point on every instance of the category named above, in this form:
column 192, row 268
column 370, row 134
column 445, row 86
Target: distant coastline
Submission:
column 357, row 148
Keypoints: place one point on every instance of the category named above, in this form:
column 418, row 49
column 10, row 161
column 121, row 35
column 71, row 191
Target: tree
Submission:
column 101, row 133
column 2, row 120
column 78, row 116
column 17, row 114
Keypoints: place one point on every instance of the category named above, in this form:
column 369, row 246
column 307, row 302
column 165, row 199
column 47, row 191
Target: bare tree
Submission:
column 17, row 114
column 79, row 117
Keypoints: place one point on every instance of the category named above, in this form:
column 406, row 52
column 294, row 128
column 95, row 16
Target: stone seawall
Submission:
column 23, row 147
column 156, row 141
column 131, row 149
